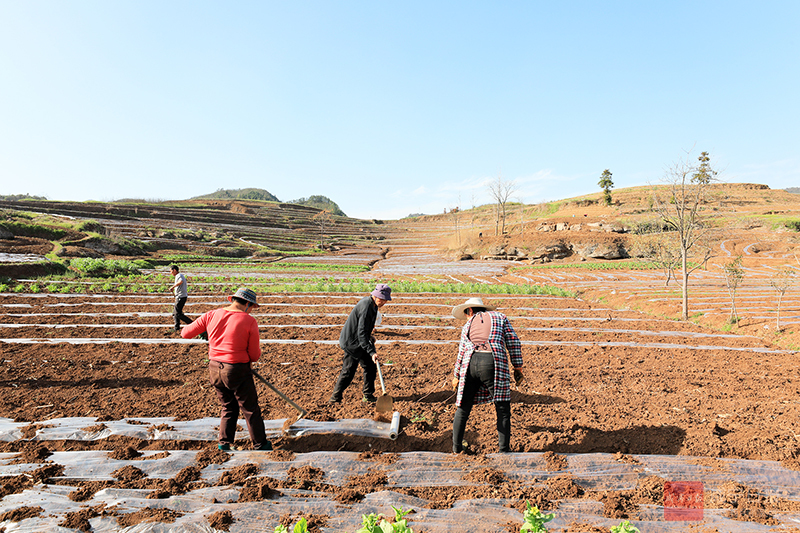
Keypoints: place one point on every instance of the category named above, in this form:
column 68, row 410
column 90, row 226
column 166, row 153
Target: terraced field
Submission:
column 108, row 421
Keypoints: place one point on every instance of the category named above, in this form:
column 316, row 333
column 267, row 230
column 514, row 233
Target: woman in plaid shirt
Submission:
column 481, row 372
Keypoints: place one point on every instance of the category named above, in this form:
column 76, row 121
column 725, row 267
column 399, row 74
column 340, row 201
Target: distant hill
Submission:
column 239, row 194
column 320, row 202
column 795, row 190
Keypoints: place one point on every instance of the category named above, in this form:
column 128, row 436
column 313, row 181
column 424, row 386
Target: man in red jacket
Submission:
column 233, row 344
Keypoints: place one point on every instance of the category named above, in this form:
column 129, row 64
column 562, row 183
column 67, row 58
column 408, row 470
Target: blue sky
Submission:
column 391, row 108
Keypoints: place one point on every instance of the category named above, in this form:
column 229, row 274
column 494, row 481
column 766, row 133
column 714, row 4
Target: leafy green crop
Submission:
column 370, row 523
column 534, row 519
column 278, row 266
column 624, row 527
column 106, row 268
column 300, row 527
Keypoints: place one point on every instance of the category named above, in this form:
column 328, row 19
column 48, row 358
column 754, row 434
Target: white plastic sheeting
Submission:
column 591, row 471
column 77, row 428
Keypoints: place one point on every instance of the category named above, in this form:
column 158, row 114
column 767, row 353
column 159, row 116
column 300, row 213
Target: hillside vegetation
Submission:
column 323, row 203
column 239, row 194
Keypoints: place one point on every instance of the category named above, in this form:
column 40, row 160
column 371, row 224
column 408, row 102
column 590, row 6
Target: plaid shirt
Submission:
column 501, row 338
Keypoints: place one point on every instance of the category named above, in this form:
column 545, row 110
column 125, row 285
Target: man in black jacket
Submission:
column 359, row 345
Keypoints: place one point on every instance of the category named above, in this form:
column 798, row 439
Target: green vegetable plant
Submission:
column 300, row 527
column 370, row 523
column 534, row 519
column 625, row 527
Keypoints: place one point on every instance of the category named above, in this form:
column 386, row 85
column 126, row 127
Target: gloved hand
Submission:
column 519, row 377
column 455, row 383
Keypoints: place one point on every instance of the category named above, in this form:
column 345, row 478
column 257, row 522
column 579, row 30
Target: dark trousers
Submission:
column 177, row 313
column 236, row 390
column 351, row 361
column 481, row 371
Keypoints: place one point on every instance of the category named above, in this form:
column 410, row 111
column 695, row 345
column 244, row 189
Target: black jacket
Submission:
column 357, row 331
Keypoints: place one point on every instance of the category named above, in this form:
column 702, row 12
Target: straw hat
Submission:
column 458, row 311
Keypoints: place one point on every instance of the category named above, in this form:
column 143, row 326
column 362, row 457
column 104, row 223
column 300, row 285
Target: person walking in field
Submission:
column 481, row 373
column 233, row 345
column 359, row 345
column 181, row 290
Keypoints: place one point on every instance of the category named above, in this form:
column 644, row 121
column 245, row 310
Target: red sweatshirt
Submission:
column 232, row 335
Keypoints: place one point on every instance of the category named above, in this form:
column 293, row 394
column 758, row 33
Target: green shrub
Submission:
column 793, row 225
column 86, row 226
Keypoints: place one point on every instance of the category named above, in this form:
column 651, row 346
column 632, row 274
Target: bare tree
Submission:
column 455, row 216
column 781, row 281
column 734, row 273
column 501, row 191
column 324, row 221
column 472, row 211
column 680, row 209
column 659, row 249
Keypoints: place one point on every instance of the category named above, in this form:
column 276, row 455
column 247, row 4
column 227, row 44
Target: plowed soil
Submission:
column 597, row 380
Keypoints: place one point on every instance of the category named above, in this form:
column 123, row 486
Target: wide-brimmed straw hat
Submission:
column 458, row 311
column 246, row 295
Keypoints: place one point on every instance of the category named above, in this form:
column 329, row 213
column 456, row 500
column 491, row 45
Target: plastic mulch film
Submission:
column 87, row 428
column 412, row 469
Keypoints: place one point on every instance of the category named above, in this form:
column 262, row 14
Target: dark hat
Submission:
column 382, row 291
column 246, row 295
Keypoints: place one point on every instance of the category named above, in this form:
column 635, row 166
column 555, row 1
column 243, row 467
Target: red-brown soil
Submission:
column 582, row 392
column 732, row 398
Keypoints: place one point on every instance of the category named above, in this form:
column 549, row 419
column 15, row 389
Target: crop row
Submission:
column 125, row 284
column 533, row 521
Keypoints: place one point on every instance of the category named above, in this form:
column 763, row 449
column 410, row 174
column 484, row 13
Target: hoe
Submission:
column 289, row 421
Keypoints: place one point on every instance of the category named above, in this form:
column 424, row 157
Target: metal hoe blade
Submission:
column 299, row 409
column 385, row 402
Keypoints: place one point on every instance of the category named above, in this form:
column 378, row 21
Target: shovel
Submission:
column 299, row 409
column 384, row 403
